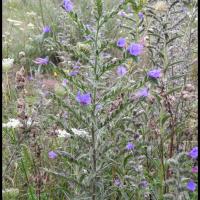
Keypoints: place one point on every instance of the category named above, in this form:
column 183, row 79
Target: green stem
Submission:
column 93, row 115
column 41, row 12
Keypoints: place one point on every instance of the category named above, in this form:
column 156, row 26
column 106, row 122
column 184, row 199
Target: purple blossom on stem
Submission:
column 121, row 42
column 122, row 13
column 73, row 73
column 52, row 155
column 155, row 73
column 46, row 29
column 141, row 15
column 76, row 67
column 195, row 169
column 193, row 153
column 117, row 182
column 129, row 146
column 41, row 61
column 64, row 83
column 191, row 185
column 30, row 78
column 144, row 92
column 98, row 107
column 135, row 49
column 144, row 184
column 84, row 99
column 68, row 5
column 121, row 71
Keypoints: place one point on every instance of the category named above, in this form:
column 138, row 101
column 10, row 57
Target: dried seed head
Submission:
column 186, row 96
column 189, row 87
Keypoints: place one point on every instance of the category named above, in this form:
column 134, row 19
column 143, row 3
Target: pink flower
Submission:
column 195, row 169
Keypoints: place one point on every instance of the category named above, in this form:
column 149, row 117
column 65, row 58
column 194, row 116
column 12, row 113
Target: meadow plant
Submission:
column 118, row 119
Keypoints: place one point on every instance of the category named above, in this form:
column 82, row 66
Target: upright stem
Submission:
column 93, row 115
column 42, row 12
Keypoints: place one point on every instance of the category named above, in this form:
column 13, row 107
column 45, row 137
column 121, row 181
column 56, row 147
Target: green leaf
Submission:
column 99, row 5
column 174, row 90
column 126, row 160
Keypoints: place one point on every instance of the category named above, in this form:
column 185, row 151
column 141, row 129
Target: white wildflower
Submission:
column 63, row 133
column 31, row 13
column 7, row 63
column 80, row 132
column 30, row 25
column 161, row 6
column 21, row 54
column 12, row 123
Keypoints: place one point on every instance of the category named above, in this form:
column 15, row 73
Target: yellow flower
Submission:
column 55, row 74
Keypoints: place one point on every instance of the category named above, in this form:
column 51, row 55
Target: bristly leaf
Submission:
column 99, row 7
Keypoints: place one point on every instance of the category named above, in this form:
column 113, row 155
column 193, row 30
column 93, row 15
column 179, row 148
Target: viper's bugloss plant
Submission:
column 117, row 105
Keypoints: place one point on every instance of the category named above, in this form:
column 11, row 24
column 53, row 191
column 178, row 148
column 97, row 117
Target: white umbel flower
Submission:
column 80, row 132
column 7, row 63
column 63, row 133
column 12, row 123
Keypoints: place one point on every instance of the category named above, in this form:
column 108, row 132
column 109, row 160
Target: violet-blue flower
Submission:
column 143, row 92
column 155, row 73
column 129, row 146
column 41, row 61
column 52, row 155
column 117, row 182
column 84, row 99
column 121, row 42
column 68, row 5
column 141, row 15
column 64, row 82
column 194, row 153
column 143, row 184
column 73, row 73
column 191, row 185
column 122, row 13
column 46, row 29
column 121, row 70
column 98, row 107
column 135, row 49
column 76, row 67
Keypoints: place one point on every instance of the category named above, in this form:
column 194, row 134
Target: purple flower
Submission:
column 122, row 13
column 155, row 73
column 52, row 155
column 195, row 169
column 144, row 184
column 76, row 67
column 121, row 42
column 144, row 92
column 135, row 49
column 68, row 5
column 64, row 83
column 88, row 37
column 46, row 29
column 73, row 73
column 121, row 70
column 98, row 107
column 141, row 15
column 117, row 182
column 193, row 153
column 129, row 146
column 41, row 61
column 30, row 78
column 191, row 185
column 84, row 99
